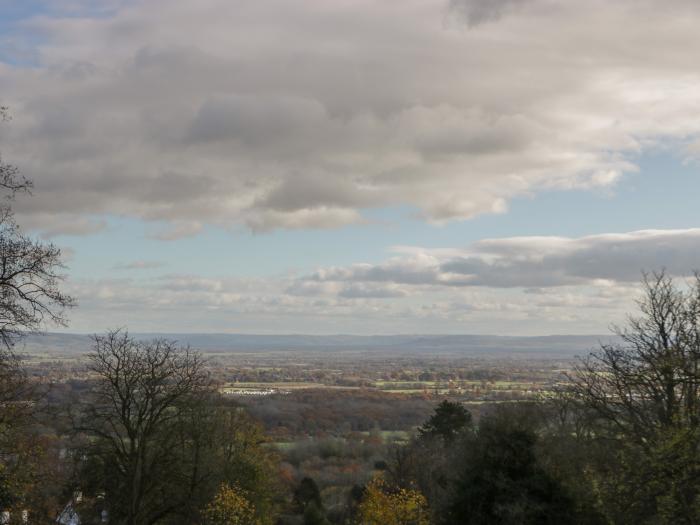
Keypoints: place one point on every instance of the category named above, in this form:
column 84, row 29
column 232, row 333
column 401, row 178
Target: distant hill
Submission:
column 477, row 345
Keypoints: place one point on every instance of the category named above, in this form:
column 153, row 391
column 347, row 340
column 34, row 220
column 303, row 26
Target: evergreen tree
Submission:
column 447, row 422
column 502, row 483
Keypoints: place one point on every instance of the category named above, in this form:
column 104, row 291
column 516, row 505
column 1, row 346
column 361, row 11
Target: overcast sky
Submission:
column 356, row 166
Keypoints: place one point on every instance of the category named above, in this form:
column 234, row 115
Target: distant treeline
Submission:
column 478, row 345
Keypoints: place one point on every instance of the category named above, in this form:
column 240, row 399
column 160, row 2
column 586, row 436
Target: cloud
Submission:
column 533, row 262
column 306, row 114
column 178, row 230
column 182, row 303
column 356, row 291
column 477, row 12
column 62, row 224
column 512, row 285
column 313, row 218
column 140, row 265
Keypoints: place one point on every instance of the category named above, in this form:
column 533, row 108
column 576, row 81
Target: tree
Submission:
column 219, row 443
column 502, row 481
column 161, row 441
column 384, row 505
column 307, row 500
column 428, row 461
column 30, row 299
column 142, row 389
column 447, row 422
column 230, row 507
column 16, row 394
column 29, row 269
column 639, row 399
column 29, row 293
column 307, row 493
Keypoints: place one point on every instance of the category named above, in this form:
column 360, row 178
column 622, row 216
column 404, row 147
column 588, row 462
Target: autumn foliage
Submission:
column 384, row 505
column 230, row 507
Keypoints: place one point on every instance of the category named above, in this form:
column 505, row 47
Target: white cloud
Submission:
column 302, row 114
column 196, row 304
column 364, row 291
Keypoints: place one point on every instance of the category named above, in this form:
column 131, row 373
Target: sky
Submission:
column 357, row 166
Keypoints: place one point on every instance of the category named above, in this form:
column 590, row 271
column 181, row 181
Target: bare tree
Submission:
column 10, row 178
column 30, row 299
column 641, row 396
column 158, row 440
column 141, row 392
column 29, row 269
column 29, row 278
column 651, row 380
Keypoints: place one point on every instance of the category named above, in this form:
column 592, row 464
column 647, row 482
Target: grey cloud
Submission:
column 535, row 263
column 313, row 218
column 299, row 192
column 255, row 120
column 174, row 187
column 477, row 12
column 279, row 114
column 562, row 261
column 61, row 224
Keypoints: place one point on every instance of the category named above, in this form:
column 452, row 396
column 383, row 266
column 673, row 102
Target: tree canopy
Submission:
column 447, row 422
column 640, row 398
